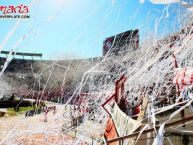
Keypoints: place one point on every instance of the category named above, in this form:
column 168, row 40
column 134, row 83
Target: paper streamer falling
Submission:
column 160, row 137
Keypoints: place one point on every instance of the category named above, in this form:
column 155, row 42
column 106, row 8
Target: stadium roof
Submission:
column 22, row 54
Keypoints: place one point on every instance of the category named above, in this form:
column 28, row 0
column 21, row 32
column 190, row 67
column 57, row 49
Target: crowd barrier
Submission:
column 31, row 113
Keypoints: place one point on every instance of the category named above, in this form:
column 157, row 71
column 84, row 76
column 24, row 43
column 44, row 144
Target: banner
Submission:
column 120, row 125
column 110, row 132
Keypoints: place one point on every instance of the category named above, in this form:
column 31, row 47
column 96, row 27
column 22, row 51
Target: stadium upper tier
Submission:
column 24, row 73
column 37, row 74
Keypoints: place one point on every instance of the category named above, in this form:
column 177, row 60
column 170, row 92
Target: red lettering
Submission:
column 11, row 9
column 19, row 8
column 3, row 9
column 14, row 9
column 25, row 9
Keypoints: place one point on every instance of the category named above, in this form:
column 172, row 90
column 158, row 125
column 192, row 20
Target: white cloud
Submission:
column 113, row 2
column 141, row 1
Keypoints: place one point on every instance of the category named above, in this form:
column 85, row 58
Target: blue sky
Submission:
column 63, row 29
